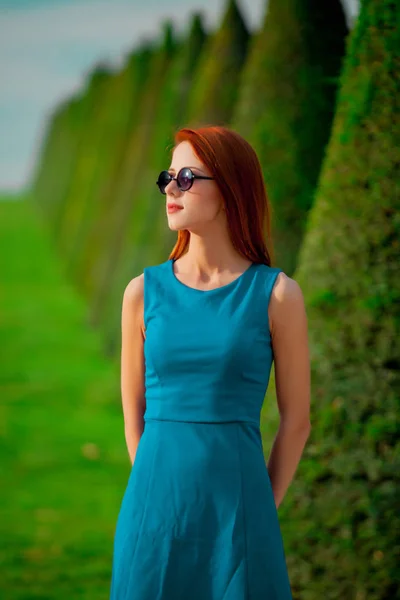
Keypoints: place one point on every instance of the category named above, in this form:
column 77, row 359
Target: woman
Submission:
column 198, row 519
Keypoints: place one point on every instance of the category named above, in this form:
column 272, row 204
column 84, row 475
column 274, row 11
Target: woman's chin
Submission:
column 176, row 226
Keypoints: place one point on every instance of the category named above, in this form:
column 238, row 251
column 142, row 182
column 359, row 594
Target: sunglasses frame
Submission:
column 193, row 177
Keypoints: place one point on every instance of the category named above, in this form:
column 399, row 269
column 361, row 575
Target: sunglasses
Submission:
column 184, row 179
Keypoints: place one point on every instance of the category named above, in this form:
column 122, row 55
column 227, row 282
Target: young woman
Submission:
column 198, row 519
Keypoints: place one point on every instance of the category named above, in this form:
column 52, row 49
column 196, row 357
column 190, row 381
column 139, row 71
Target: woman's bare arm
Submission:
column 132, row 363
column 288, row 325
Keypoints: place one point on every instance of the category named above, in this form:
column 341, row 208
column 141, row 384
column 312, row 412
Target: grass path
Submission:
column 64, row 464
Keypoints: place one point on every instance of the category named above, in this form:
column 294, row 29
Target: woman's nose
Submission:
column 172, row 188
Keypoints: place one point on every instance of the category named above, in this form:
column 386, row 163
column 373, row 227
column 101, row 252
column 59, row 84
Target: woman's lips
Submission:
column 173, row 208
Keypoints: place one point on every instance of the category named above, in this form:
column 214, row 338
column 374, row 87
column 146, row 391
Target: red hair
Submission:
column 234, row 164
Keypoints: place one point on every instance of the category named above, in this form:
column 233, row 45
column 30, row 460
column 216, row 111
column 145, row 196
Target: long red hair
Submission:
column 234, row 164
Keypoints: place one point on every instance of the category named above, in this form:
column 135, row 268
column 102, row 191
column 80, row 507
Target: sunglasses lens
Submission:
column 163, row 180
column 185, row 179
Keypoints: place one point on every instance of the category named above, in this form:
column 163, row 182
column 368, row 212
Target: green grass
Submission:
column 64, row 465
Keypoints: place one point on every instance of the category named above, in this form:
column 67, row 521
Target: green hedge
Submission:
column 151, row 245
column 129, row 210
column 341, row 517
column 215, row 88
column 286, row 106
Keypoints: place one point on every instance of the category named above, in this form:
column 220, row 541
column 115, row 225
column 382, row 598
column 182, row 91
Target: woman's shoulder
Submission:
column 286, row 291
column 287, row 303
column 134, row 289
column 278, row 284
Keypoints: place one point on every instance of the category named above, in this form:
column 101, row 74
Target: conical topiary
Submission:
column 73, row 218
column 57, row 157
column 127, row 217
column 286, row 105
column 215, row 87
column 148, row 246
column 115, row 116
column 341, row 518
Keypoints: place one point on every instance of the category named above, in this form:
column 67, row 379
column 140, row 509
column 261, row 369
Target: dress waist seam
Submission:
column 204, row 421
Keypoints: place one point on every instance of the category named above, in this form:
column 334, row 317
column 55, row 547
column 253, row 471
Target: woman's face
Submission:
column 202, row 203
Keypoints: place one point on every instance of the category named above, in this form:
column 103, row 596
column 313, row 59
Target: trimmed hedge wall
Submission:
column 342, row 513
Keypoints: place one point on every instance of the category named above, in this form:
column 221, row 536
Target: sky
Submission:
column 47, row 47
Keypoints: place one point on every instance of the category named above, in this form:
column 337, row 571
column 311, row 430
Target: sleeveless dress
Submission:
column 198, row 519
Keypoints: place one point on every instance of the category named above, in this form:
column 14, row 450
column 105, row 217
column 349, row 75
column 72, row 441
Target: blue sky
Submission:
column 48, row 46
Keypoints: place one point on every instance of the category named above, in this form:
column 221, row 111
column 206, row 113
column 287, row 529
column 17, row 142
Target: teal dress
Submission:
column 198, row 519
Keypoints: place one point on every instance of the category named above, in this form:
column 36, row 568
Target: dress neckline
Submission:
column 231, row 284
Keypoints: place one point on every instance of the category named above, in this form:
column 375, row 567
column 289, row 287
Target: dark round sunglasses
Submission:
column 184, row 179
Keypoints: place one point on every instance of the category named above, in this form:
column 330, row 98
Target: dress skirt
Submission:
column 198, row 519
